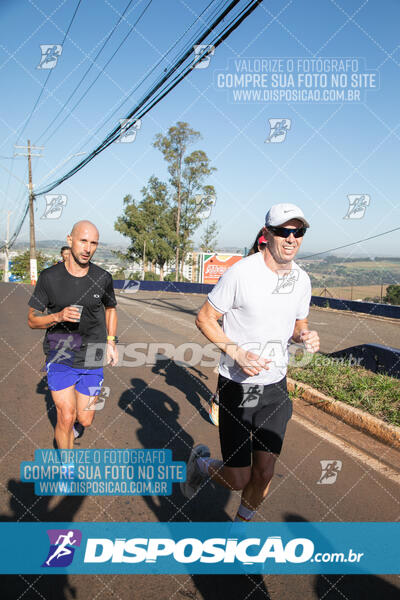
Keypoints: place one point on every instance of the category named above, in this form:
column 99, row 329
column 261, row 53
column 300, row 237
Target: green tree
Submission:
column 119, row 274
column 187, row 175
column 209, row 240
column 392, row 294
column 21, row 265
column 150, row 226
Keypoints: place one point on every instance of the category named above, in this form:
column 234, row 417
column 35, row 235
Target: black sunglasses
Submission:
column 284, row 232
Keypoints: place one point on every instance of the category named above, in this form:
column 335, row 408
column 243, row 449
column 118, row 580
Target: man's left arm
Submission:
column 111, row 326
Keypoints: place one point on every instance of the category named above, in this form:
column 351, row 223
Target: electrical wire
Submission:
column 48, row 75
column 84, row 75
column 248, row 9
column 147, row 103
column 136, row 87
column 352, row 243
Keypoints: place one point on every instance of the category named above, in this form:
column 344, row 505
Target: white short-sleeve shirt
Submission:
column 260, row 308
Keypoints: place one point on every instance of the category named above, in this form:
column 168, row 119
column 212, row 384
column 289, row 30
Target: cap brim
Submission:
column 298, row 217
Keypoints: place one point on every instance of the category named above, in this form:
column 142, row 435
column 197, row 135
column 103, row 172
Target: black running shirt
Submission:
column 56, row 288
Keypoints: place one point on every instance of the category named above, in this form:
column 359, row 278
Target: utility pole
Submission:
column 32, row 241
column 6, row 260
column 144, row 260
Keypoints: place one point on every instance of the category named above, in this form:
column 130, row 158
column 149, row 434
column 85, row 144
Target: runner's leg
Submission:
column 65, row 403
column 261, row 475
column 85, row 417
column 233, row 478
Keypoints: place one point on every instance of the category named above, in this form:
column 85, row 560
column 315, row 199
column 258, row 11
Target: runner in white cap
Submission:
column 264, row 301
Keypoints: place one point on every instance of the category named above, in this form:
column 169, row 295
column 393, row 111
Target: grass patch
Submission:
column 375, row 393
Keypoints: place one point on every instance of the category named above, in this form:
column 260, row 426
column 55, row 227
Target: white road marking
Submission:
column 356, row 453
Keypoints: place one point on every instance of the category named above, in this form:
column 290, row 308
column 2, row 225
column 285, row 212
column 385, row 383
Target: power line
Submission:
column 234, row 23
column 163, row 57
column 48, row 75
column 84, row 75
column 248, row 9
column 11, row 173
column 352, row 243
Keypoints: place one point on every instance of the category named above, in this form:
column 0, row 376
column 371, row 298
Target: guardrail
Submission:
column 374, row 357
column 181, row 287
column 372, row 308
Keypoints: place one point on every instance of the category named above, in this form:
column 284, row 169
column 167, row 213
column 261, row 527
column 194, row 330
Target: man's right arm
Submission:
column 207, row 322
column 37, row 320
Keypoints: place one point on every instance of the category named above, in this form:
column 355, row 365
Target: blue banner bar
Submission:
column 214, row 548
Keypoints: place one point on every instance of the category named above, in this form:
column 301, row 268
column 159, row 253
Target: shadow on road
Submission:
column 26, row 506
column 43, row 388
column 187, row 380
column 158, row 415
column 349, row 587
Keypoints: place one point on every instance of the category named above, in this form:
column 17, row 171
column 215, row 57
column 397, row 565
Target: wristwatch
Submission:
column 113, row 338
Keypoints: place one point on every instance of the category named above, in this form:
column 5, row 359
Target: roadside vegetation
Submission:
column 376, row 393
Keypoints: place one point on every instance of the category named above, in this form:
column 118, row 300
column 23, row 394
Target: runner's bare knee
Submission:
column 85, row 418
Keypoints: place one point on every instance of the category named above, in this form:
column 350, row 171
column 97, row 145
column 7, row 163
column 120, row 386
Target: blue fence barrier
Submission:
column 182, row 287
column 374, row 357
column 372, row 308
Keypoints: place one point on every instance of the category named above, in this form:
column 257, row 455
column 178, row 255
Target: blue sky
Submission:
column 332, row 149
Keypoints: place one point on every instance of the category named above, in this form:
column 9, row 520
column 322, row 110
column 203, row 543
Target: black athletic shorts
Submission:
column 251, row 417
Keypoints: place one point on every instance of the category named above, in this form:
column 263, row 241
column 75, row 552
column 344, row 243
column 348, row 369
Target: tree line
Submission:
column 160, row 226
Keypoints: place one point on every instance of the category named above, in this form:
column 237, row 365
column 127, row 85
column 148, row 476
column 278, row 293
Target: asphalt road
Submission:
column 165, row 405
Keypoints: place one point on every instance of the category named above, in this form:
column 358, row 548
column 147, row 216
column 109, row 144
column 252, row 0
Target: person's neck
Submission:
column 74, row 268
column 273, row 264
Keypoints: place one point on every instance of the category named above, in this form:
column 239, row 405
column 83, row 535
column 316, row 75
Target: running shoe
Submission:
column 78, row 430
column 194, row 477
column 213, row 413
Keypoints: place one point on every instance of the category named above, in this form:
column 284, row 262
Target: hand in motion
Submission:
column 112, row 354
column 310, row 339
column 70, row 314
column 251, row 363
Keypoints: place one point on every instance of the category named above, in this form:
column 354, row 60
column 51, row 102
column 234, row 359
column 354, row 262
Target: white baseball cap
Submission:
column 280, row 213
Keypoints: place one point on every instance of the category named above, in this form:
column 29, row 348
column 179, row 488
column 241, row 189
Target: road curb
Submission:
column 384, row 432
